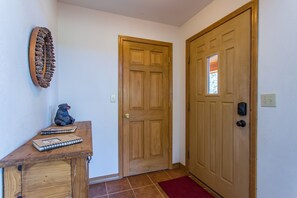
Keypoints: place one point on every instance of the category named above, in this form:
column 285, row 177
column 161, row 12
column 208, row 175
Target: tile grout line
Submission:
column 131, row 187
column 168, row 175
column 155, row 186
column 144, row 186
column 119, row 192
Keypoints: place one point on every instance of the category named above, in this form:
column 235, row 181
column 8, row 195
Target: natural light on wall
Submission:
column 212, row 74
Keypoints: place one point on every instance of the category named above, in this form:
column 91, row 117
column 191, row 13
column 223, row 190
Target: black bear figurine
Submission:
column 62, row 116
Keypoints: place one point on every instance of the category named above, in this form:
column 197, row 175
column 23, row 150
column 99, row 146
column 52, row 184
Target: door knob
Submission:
column 241, row 123
column 127, row 115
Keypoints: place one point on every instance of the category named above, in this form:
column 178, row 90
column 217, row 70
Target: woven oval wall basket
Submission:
column 41, row 57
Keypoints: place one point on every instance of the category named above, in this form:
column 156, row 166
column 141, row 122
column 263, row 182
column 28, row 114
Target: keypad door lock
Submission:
column 242, row 108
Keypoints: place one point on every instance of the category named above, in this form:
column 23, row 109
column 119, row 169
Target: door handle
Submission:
column 127, row 115
column 241, row 123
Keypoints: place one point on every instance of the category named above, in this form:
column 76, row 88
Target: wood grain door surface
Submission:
column 145, row 107
column 219, row 149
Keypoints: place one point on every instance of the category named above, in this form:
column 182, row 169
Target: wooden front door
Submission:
column 219, row 81
column 146, row 105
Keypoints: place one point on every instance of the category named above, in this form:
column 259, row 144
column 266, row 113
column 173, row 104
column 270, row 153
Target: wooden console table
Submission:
column 58, row 173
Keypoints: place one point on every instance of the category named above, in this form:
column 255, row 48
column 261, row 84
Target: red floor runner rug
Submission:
column 184, row 187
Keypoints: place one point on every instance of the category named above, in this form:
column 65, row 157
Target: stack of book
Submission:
column 58, row 129
column 46, row 144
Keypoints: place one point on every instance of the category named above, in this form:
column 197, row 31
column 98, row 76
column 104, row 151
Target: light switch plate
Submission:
column 113, row 98
column 268, row 100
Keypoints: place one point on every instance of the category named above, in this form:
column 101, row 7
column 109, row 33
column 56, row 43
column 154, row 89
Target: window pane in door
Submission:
column 212, row 74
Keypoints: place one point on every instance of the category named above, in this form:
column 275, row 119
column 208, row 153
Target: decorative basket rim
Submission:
column 41, row 57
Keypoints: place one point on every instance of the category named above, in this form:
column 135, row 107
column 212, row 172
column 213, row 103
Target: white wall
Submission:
column 277, row 137
column 24, row 108
column 88, row 56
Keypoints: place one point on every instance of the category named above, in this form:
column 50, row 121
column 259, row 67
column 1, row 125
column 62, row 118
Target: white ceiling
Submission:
column 172, row 12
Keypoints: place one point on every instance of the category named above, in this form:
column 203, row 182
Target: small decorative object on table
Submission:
column 62, row 116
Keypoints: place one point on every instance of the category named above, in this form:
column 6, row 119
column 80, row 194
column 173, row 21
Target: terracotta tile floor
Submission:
column 142, row 186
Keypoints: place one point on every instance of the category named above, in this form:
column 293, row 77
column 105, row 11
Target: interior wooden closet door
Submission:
column 145, row 107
